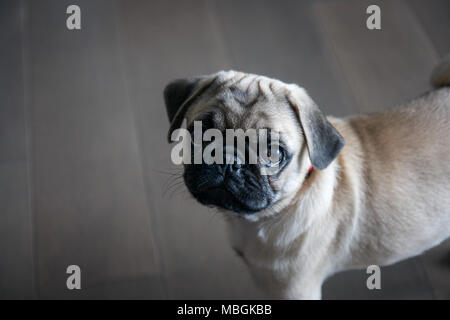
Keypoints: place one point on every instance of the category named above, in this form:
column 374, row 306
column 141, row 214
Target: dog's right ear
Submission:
column 323, row 140
column 179, row 95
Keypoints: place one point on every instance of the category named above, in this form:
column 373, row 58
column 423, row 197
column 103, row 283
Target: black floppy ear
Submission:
column 323, row 140
column 176, row 92
column 179, row 95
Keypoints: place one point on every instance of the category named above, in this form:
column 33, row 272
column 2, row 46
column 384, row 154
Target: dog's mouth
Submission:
column 239, row 190
column 222, row 197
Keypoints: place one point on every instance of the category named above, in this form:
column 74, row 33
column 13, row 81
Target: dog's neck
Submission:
column 280, row 230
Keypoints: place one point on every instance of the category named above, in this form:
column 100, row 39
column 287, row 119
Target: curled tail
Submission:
column 440, row 77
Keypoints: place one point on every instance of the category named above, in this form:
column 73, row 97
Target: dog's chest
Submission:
column 264, row 261
column 272, row 272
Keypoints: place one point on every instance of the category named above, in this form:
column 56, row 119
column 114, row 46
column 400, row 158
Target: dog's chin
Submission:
column 226, row 200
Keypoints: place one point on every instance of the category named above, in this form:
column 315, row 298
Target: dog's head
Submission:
column 240, row 101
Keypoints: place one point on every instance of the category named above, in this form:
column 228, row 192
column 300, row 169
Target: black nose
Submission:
column 228, row 168
column 235, row 167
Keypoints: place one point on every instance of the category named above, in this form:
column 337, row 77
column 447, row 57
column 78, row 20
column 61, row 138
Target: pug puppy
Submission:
column 347, row 193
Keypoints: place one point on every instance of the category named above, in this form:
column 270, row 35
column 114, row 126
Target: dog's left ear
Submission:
column 323, row 140
column 179, row 95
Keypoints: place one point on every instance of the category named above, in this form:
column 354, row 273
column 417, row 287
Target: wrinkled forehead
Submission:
column 236, row 100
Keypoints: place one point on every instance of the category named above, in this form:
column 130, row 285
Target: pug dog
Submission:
column 347, row 193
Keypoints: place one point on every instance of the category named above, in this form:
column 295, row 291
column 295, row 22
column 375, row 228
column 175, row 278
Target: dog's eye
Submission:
column 275, row 156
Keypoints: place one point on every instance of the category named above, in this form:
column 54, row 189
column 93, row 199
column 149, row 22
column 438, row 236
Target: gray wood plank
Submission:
column 134, row 288
column 16, row 263
column 12, row 111
column 435, row 18
column 164, row 40
column 436, row 263
column 383, row 68
column 281, row 40
column 91, row 208
column 16, row 231
column 405, row 280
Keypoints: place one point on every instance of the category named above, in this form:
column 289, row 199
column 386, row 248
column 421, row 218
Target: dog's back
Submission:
column 406, row 171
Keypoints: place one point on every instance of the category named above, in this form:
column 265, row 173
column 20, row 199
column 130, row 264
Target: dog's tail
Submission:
column 440, row 77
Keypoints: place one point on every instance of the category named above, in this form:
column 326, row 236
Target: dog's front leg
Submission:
column 306, row 289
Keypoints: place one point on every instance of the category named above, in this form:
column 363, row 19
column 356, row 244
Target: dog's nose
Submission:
column 234, row 167
column 234, row 160
column 232, row 163
column 229, row 168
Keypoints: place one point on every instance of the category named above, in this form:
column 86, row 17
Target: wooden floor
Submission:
column 84, row 162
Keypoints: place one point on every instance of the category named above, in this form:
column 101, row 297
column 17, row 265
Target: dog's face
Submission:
column 235, row 100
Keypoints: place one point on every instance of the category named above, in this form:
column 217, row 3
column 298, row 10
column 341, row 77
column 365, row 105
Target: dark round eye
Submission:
column 276, row 156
